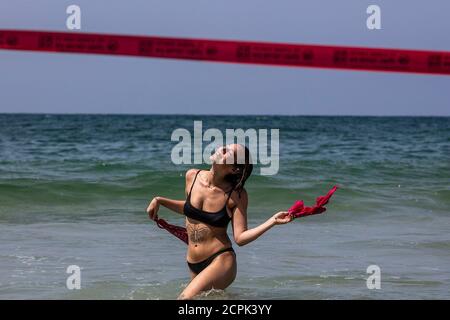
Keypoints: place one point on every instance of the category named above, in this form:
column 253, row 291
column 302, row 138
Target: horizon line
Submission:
column 218, row 114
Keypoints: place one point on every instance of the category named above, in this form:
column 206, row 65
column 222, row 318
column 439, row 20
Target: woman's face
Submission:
column 225, row 154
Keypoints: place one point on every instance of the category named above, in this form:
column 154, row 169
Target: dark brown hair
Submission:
column 244, row 170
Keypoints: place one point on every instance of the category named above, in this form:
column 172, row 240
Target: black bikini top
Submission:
column 215, row 219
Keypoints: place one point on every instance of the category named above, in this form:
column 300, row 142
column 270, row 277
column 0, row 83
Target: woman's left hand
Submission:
column 282, row 217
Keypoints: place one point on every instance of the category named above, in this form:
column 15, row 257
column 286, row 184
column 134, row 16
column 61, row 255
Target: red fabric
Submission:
column 230, row 51
column 177, row 231
column 298, row 209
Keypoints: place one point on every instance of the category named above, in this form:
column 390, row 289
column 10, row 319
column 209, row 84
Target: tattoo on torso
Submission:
column 197, row 233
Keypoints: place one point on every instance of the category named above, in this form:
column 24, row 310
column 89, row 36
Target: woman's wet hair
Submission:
column 244, row 166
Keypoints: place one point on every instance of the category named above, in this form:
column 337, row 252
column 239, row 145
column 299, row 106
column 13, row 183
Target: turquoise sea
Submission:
column 74, row 188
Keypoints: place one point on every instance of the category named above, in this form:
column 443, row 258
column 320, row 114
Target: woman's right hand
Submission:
column 153, row 208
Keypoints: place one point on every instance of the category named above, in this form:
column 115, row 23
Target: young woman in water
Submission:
column 214, row 198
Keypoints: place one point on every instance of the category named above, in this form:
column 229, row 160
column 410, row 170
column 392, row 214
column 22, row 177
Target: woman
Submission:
column 214, row 198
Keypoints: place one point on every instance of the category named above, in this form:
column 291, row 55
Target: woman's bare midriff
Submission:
column 204, row 240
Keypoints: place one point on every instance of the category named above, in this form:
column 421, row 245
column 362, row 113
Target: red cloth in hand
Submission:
column 179, row 232
column 299, row 210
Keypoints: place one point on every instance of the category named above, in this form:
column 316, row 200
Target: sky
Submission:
column 72, row 83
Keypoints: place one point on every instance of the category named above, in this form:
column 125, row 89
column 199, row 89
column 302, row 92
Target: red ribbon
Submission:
column 263, row 53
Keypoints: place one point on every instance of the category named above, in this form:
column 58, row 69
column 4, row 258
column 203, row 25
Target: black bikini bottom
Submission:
column 199, row 266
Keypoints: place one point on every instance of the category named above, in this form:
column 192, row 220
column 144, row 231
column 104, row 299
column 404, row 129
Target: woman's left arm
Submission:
column 242, row 235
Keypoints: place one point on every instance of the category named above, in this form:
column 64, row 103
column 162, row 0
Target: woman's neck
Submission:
column 217, row 178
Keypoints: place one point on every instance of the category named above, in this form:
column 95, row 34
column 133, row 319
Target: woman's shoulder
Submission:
column 239, row 197
column 190, row 174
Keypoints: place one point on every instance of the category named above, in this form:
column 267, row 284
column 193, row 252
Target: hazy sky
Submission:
column 71, row 83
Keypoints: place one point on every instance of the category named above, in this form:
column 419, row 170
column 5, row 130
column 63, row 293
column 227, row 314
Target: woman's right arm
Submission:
column 174, row 205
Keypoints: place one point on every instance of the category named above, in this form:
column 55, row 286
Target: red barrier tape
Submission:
column 279, row 54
